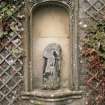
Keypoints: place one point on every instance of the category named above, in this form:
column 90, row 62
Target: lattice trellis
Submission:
column 95, row 8
column 11, row 53
column 87, row 8
column 92, row 10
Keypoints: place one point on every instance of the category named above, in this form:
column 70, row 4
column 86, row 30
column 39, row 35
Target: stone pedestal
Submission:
column 53, row 97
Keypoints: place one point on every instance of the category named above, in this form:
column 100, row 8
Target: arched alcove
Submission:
column 50, row 24
column 51, row 52
column 50, row 21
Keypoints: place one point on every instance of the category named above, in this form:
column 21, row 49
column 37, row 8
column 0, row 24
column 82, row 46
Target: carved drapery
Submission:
column 52, row 66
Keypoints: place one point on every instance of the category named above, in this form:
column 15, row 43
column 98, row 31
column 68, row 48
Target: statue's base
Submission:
column 52, row 96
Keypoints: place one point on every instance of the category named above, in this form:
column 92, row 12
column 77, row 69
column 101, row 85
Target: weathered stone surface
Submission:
column 51, row 67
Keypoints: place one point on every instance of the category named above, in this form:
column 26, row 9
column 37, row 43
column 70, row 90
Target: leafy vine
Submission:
column 94, row 53
column 9, row 12
column 11, row 50
column 11, row 20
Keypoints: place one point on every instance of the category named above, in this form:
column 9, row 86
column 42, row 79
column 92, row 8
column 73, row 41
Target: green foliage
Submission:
column 96, row 38
column 94, row 53
column 2, row 34
column 8, row 13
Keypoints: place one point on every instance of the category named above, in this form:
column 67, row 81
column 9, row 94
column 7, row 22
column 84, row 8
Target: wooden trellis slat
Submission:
column 11, row 53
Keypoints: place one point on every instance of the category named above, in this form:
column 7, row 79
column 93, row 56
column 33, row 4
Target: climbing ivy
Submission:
column 96, row 39
column 94, row 53
column 9, row 11
column 11, row 51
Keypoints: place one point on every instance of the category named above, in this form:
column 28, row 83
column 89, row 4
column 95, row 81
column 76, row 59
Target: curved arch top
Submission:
column 63, row 4
column 50, row 20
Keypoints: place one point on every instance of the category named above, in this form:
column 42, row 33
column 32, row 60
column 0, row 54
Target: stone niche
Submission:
column 49, row 77
column 50, row 24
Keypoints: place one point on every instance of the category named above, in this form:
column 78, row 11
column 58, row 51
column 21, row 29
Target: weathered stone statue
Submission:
column 52, row 64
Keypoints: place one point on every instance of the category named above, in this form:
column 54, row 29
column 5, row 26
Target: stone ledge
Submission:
column 52, row 95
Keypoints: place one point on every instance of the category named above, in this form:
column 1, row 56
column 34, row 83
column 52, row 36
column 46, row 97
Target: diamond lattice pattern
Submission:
column 11, row 55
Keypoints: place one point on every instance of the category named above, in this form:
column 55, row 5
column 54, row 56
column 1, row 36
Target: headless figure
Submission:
column 51, row 70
